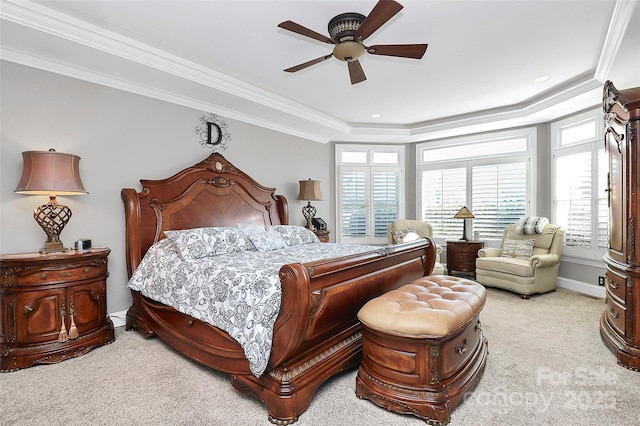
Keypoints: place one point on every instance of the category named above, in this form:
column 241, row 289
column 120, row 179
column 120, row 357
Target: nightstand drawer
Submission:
column 40, row 276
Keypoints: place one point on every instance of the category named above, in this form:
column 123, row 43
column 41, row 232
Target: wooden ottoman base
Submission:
column 421, row 375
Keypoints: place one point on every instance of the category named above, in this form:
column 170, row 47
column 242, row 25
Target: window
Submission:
column 371, row 191
column 580, row 177
column 490, row 175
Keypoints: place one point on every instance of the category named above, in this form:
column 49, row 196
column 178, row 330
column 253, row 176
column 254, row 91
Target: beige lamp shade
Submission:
column 464, row 213
column 310, row 190
column 50, row 173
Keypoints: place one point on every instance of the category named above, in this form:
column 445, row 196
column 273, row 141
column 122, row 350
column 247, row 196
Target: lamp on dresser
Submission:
column 51, row 173
column 464, row 214
column 309, row 191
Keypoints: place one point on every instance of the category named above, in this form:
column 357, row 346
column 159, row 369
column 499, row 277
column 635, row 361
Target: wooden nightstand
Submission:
column 462, row 255
column 42, row 296
column 322, row 234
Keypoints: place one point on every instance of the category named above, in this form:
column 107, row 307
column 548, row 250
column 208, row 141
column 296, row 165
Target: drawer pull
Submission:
column 463, row 349
column 43, row 276
column 85, row 270
column 613, row 313
column 66, row 274
column 613, row 284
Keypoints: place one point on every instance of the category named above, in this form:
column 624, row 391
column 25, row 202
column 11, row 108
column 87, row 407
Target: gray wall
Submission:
column 121, row 138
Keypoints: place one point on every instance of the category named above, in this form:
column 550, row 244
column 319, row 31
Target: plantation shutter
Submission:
column 355, row 202
column 498, row 197
column 574, row 198
column 386, row 200
column 444, row 192
column 603, row 208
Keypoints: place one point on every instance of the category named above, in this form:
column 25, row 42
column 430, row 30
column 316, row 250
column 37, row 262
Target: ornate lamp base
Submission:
column 52, row 218
column 309, row 212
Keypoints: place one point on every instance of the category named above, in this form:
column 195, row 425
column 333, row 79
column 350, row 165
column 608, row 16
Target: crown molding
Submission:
column 285, row 116
column 620, row 19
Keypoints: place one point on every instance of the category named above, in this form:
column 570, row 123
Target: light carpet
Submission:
column 546, row 366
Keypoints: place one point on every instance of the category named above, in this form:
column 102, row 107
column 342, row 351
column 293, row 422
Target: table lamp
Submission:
column 51, row 173
column 464, row 214
column 309, row 191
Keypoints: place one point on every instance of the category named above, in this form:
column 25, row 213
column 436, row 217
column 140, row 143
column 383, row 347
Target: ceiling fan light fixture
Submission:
column 348, row 50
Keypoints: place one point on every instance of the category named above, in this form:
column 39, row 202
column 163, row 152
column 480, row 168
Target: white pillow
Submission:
column 249, row 229
column 411, row 236
column 295, row 234
column 197, row 243
column 268, row 240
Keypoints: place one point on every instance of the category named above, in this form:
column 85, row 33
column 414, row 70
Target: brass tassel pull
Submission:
column 62, row 336
column 73, row 330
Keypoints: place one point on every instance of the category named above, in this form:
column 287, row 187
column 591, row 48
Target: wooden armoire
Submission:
column 620, row 322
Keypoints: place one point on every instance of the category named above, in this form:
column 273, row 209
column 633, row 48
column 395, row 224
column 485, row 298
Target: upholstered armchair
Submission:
column 524, row 263
column 409, row 229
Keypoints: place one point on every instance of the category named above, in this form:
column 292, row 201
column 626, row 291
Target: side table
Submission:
column 462, row 255
column 52, row 307
column 322, row 234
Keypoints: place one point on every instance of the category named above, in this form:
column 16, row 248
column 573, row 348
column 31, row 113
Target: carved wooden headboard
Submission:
column 211, row 193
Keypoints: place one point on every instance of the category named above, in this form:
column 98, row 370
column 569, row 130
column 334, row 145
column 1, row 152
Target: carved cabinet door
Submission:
column 39, row 315
column 87, row 306
column 618, row 154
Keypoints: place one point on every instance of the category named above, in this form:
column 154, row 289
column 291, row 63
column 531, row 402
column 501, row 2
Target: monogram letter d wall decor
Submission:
column 213, row 133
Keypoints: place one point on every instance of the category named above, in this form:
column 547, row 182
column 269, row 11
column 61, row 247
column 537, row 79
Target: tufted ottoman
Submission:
column 423, row 347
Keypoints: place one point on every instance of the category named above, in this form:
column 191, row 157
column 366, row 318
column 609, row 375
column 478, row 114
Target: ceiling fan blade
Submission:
column 355, row 72
column 309, row 63
column 381, row 13
column 414, row 51
column 299, row 29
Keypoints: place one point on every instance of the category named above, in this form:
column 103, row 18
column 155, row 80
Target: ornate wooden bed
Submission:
column 316, row 334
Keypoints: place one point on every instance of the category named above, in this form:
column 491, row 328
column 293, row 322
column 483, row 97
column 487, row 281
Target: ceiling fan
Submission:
column 348, row 32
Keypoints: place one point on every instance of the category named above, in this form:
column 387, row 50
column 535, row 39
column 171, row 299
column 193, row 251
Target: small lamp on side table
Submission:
column 51, row 173
column 309, row 191
column 464, row 214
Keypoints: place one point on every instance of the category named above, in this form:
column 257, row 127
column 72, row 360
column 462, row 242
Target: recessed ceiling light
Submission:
column 375, row 115
column 541, row 78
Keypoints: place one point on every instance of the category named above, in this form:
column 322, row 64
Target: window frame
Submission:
column 528, row 155
column 594, row 146
column 370, row 167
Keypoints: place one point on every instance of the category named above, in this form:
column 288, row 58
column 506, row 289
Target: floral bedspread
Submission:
column 238, row 292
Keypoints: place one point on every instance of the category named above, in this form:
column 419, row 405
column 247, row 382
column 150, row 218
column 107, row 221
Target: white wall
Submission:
column 121, row 138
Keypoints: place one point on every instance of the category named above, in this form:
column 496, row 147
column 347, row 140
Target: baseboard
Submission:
column 119, row 319
column 582, row 287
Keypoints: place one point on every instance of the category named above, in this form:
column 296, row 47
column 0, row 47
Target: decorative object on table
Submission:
column 83, row 245
column 51, row 173
column 214, row 133
column 464, row 214
column 309, row 191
